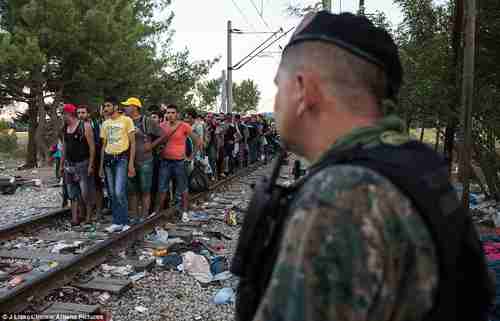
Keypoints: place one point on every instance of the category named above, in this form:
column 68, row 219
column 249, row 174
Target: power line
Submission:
column 260, row 14
column 262, row 44
column 241, row 64
column 244, row 16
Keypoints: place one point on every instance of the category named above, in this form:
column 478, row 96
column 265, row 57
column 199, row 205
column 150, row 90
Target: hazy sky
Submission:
column 200, row 25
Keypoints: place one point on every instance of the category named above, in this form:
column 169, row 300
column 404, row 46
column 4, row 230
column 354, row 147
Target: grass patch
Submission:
column 22, row 138
column 429, row 135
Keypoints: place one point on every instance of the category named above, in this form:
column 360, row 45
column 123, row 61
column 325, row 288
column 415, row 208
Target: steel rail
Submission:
column 19, row 298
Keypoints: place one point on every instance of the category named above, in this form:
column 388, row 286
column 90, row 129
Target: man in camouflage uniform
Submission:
column 354, row 246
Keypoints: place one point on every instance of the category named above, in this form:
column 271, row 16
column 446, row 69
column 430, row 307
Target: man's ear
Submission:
column 308, row 87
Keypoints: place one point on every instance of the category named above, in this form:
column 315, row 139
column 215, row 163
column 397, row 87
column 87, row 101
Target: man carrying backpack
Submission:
column 374, row 231
column 147, row 133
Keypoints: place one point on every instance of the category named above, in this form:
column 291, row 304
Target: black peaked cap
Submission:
column 359, row 36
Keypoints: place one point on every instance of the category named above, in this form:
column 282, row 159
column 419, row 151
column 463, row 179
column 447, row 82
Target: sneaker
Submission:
column 125, row 228
column 115, row 228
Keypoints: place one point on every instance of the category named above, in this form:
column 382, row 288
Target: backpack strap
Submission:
column 80, row 130
column 144, row 125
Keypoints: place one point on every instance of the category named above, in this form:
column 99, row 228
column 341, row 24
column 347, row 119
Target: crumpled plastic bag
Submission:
column 118, row 270
column 197, row 266
column 224, row 296
column 161, row 234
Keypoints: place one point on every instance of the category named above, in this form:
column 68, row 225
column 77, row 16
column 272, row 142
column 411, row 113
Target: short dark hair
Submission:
column 156, row 112
column 111, row 99
column 173, row 106
column 237, row 116
column 193, row 113
column 345, row 74
column 86, row 107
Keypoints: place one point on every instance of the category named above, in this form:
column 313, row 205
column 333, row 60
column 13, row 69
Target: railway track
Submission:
column 36, row 286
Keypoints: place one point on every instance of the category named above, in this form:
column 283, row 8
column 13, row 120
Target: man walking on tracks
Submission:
column 145, row 131
column 78, row 164
column 374, row 231
column 118, row 161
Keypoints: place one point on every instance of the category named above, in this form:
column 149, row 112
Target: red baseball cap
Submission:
column 69, row 108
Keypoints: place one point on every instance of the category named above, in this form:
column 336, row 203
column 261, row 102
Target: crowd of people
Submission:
column 135, row 162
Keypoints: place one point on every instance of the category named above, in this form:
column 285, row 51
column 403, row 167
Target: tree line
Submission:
column 431, row 40
column 82, row 51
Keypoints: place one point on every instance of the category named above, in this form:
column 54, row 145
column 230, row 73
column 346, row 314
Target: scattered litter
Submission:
column 140, row 308
column 118, row 270
column 218, row 265
column 160, row 252
column 66, row 247
column 224, row 296
column 136, row 277
column 161, row 234
column 230, row 217
column 103, row 297
column 197, row 266
column 226, row 275
column 199, row 216
column 47, row 266
column 173, row 241
column 16, row 281
column 171, row 260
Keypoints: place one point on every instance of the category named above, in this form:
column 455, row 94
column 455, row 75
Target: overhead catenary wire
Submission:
column 241, row 64
column 259, row 46
column 244, row 16
column 260, row 14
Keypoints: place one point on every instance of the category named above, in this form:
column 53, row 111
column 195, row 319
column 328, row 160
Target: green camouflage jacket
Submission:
column 354, row 247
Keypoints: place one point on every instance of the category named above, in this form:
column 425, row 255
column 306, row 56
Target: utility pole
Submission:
column 362, row 7
column 327, row 5
column 229, row 84
column 468, row 93
column 223, row 92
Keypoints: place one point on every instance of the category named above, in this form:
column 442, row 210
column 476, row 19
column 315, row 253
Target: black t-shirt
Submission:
column 229, row 134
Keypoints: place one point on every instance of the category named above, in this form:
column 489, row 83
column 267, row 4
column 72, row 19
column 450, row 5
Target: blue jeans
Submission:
column 175, row 169
column 116, row 168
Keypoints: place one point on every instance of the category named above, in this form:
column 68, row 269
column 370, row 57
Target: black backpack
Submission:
column 465, row 290
column 198, row 180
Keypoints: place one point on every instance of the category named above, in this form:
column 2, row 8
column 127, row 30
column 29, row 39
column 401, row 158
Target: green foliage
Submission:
column 246, row 96
column 8, row 138
column 176, row 80
column 81, row 51
column 208, row 91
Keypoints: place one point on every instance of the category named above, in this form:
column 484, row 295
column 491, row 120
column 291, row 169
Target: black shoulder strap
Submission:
column 144, row 125
column 422, row 175
column 81, row 129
